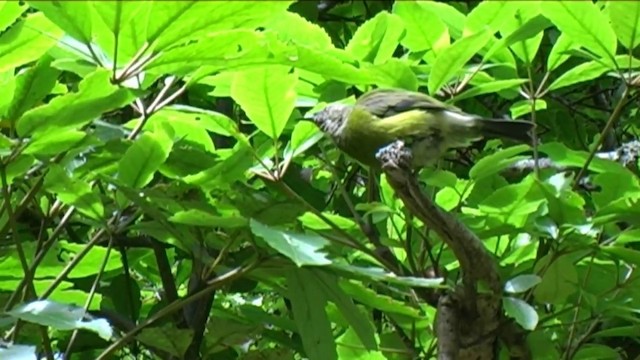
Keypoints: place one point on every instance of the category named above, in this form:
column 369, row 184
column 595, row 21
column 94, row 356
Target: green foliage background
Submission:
column 155, row 171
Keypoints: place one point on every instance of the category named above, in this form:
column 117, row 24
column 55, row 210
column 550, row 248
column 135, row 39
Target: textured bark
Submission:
column 467, row 322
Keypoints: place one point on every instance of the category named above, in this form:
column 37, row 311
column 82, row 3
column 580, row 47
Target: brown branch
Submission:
column 626, row 154
column 475, row 316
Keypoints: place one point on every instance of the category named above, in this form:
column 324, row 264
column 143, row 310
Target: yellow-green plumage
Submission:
column 431, row 127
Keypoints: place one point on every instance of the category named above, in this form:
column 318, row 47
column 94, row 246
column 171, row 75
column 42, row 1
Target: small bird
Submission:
column 427, row 126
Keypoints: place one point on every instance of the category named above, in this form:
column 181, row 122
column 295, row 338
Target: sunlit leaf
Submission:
column 31, row 87
column 9, row 12
column 27, row 41
column 376, row 40
column 524, row 314
column 267, row 95
column 424, row 30
column 142, row 160
column 497, row 161
column 585, row 24
column 521, row 283
column 625, row 20
column 95, row 96
column 302, row 249
column 489, row 87
column 453, row 58
column 60, row 316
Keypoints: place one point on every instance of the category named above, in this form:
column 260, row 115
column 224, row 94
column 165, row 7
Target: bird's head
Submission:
column 331, row 119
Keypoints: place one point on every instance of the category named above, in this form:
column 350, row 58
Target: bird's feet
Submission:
column 395, row 155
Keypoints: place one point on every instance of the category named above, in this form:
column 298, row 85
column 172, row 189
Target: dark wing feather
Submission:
column 388, row 102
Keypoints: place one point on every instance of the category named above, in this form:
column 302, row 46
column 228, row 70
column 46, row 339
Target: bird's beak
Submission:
column 315, row 111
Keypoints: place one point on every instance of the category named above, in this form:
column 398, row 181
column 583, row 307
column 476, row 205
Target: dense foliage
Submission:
column 163, row 196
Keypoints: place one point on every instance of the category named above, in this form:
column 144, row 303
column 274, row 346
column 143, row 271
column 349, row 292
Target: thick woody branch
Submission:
column 476, row 262
column 467, row 320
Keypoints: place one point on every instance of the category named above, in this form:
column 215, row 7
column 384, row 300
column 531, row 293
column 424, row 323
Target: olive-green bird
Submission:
column 428, row 126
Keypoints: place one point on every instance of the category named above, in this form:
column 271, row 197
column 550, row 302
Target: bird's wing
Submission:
column 389, row 102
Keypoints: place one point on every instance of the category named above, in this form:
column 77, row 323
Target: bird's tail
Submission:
column 510, row 129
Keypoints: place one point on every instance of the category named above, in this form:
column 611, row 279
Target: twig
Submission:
column 615, row 115
column 626, row 154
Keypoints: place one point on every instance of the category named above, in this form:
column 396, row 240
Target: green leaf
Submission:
column 628, row 236
column 27, row 41
column 172, row 23
column 212, row 121
column 358, row 322
column 394, row 73
column 168, row 338
column 564, row 205
column 15, row 351
column 233, row 167
column 585, row 24
column 376, row 40
column 523, row 107
column 615, row 186
column 198, row 217
column 512, row 204
column 524, row 314
column 55, row 260
column 10, row 11
column 186, row 126
column 5, row 145
column 521, row 283
column 563, row 156
column 221, row 50
column 625, row 20
column 488, row 14
column 19, row 166
column 559, row 280
column 96, row 95
column 424, row 30
column 308, row 303
column 630, row 256
column 31, row 87
column 451, row 16
column 60, row 316
column 188, row 160
column 55, row 142
column 142, row 160
column 560, row 51
column 489, row 87
column 8, row 85
column 313, row 222
column 72, row 17
column 350, row 347
column 453, row 58
column 293, row 27
column 497, row 161
column 596, row 351
column 369, row 297
column 440, row 179
column 379, row 274
column 240, row 48
column 581, row 73
column 618, row 331
column 116, row 27
column 302, row 249
column 305, row 134
column 74, row 192
column 267, row 94
column 525, row 31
